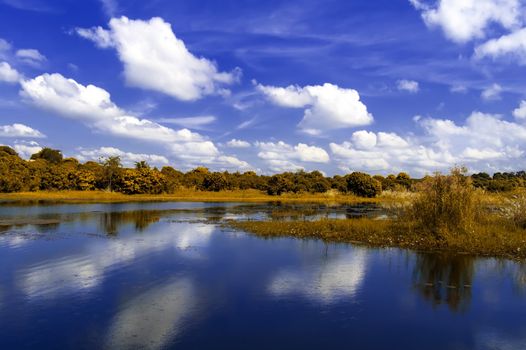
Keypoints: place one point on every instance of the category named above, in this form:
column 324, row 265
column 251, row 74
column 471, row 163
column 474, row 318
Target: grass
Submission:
column 186, row 196
column 445, row 214
column 496, row 236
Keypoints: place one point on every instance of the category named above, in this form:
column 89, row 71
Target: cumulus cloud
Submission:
column 327, row 106
column 492, row 92
column 512, row 45
column 93, row 106
column 31, row 56
column 234, row 143
column 127, row 158
column 26, row 149
column 155, row 59
column 410, row 86
column 520, row 112
column 462, row 21
column 484, row 142
column 19, row 130
column 280, row 156
column 8, row 74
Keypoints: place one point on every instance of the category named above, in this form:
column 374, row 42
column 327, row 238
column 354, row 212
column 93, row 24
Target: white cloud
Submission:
column 492, row 92
column 364, row 139
column 93, row 106
column 19, row 130
column 31, row 56
column 280, row 156
column 520, row 112
column 410, row 86
column 8, row 74
column 5, row 47
column 155, row 59
column 101, row 37
column 127, row 158
column 459, row 89
column 484, row 142
column 196, row 123
column 110, row 7
column 465, row 20
column 234, row 143
column 511, row 45
column 26, row 149
column 327, row 106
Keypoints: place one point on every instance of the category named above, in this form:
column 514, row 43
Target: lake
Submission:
column 171, row 276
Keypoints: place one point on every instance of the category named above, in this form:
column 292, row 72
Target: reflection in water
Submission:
column 340, row 277
column 520, row 276
column 110, row 222
column 445, row 278
column 13, row 241
column 86, row 270
column 153, row 319
column 489, row 339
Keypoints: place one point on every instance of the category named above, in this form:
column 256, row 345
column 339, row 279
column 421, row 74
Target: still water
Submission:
column 170, row 276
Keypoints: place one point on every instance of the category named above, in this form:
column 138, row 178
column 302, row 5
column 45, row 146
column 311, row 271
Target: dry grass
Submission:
column 493, row 237
column 445, row 205
column 446, row 214
column 185, row 195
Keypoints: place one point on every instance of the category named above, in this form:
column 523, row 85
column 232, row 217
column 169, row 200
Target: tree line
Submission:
column 48, row 170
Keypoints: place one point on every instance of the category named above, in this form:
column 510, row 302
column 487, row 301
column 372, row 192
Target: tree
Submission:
column 173, row 179
column 279, row 184
column 8, row 150
column 403, row 179
column 215, row 182
column 363, row 185
column 14, row 173
column 111, row 169
column 142, row 165
column 51, row 155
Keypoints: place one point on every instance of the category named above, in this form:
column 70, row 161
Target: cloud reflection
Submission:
column 154, row 318
column 325, row 283
column 86, row 270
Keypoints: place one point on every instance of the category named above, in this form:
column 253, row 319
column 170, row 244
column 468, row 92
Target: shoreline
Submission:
column 181, row 196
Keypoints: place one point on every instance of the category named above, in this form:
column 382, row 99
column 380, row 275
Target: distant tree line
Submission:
column 48, row 170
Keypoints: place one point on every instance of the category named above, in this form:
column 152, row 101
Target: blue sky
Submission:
column 270, row 86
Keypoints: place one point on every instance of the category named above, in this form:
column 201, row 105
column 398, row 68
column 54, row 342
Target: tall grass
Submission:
column 445, row 206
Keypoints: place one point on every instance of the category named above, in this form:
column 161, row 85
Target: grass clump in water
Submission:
column 445, row 206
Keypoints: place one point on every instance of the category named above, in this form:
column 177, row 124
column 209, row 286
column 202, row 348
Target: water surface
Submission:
column 169, row 276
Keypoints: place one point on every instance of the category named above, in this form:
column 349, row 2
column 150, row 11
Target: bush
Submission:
column 446, row 205
column 215, row 182
column 363, row 185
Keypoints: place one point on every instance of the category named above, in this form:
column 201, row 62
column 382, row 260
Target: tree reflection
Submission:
column 111, row 222
column 445, row 278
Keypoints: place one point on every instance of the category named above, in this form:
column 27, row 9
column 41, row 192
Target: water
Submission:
column 169, row 276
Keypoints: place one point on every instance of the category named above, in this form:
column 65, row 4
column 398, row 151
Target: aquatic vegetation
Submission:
column 447, row 213
column 445, row 205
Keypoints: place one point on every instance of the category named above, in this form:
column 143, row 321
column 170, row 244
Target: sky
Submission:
column 337, row 85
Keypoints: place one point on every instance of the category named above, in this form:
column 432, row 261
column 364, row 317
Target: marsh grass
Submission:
column 493, row 237
column 446, row 214
column 445, row 206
